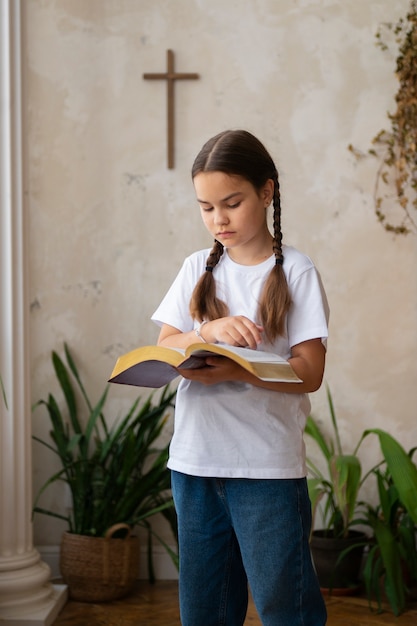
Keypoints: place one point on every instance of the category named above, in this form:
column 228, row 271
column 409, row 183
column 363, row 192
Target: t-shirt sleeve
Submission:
column 174, row 308
column 308, row 317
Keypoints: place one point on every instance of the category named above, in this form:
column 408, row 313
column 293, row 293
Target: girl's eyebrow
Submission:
column 226, row 199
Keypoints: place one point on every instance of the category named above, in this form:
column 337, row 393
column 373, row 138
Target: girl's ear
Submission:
column 268, row 192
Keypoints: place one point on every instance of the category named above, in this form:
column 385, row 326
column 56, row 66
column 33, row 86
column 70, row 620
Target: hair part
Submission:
column 239, row 153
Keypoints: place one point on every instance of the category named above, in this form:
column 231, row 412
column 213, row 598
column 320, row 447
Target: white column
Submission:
column 27, row 598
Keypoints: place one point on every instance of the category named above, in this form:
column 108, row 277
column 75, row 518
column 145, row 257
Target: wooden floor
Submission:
column 152, row 605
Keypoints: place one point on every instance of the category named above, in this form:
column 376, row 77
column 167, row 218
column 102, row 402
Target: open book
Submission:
column 156, row 366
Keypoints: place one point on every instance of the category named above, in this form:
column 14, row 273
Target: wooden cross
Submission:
column 170, row 76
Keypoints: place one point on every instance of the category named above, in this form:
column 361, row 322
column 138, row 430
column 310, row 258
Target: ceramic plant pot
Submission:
column 333, row 571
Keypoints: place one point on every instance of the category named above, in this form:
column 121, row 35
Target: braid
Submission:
column 277, row 245
column 204, row 304
column 214, row 256
column 275, row 298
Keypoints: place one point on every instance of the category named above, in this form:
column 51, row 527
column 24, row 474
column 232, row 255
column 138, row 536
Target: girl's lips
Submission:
column 227, row 233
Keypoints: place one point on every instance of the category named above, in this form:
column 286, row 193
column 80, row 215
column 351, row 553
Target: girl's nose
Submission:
column 220, row 217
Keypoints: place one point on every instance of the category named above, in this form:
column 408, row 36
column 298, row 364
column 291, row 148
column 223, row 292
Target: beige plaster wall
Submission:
column 110, row 224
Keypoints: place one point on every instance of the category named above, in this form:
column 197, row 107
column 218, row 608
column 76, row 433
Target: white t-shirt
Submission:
column 233, row 429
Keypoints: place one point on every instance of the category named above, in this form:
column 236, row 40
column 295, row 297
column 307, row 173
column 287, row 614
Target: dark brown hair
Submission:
column 239, row 153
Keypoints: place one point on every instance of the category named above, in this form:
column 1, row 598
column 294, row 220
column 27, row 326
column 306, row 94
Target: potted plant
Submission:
column 390, row 568
column 117, row 479
column 337, row 548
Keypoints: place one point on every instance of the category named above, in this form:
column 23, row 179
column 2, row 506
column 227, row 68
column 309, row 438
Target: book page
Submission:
column 254, row 356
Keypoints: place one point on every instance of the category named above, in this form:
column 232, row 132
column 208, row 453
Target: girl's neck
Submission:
column 251, row 255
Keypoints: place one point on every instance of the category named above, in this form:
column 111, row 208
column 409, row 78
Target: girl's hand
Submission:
column 236, row 330
column 307, row 360
column 218, row 369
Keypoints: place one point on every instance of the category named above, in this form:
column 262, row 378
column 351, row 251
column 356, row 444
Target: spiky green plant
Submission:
column 340, row 485
column 391, row 563
column 114, row 474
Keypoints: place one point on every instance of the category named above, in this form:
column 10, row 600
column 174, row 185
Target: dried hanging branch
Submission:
column 398, row 146
column 396, row 180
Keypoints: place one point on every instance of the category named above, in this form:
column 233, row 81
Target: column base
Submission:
column 44, row 616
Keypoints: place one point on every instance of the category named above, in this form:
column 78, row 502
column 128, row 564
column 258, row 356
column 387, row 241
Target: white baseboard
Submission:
column 163, row 565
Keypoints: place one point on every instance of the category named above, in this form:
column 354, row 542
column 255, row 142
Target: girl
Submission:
column 237, row 455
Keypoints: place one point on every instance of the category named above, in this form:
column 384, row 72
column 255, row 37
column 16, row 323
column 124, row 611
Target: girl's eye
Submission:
column 233, row 206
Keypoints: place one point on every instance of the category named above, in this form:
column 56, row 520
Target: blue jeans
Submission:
column 234, row 531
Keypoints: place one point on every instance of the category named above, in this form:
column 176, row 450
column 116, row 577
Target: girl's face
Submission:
column 233, row 211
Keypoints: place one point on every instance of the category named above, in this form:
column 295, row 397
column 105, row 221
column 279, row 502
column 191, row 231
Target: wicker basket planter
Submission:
column 99, row 569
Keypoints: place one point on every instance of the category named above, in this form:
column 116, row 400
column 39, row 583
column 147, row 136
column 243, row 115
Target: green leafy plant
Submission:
column 339, row 485
column 114, row 474
column 337, row 548
column 391, row 563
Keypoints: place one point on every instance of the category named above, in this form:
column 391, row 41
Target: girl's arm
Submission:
column 236, row 330
column 308, row 360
